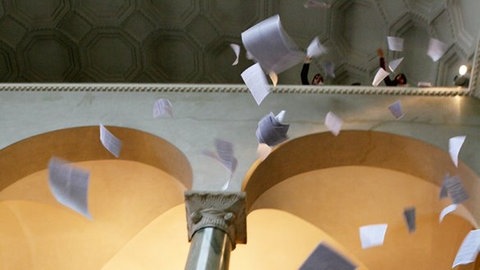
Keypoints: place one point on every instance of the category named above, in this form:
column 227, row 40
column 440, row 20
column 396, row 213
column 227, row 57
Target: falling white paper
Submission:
column 409, row 214
column 424, row 84
column 110, row 142
column 263, row 150
column 256, row 82
column 326, row 258
column 271, row 46
column 467, row 253
column 227, row 184
column 333, row 123
column 372, row 235
column 280, row 116
column 392, row 65
column 329, row 69
column 447, row 210
column 315, row 48
column 443, row 189
column 395, row 43
column 316, row 4
column 396, row 109
column 436, row 49
column 236, row 51
column 274, row 78
column 249, row 56
column 162, row 108
column 454, row 146
column 455, row 189
column 224, row 154
column 381, row 74
column 69, row 185
column 271, row 131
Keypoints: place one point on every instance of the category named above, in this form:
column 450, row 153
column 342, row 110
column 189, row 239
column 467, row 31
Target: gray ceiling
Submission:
column 188, row 40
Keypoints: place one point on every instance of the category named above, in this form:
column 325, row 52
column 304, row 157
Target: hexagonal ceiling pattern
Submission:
column 187, row 41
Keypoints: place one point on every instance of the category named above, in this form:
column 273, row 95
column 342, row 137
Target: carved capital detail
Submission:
column 222, row 210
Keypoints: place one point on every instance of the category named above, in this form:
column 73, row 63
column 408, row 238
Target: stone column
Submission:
column 216, row 222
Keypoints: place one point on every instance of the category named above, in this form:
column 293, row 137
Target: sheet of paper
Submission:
column 372, row 235
column 443, row 188
column 467, row 253
column 396, row 109
column 409, row 215
column 249, row 56
column 329, row 68
column 236, row 51
column 224, row 154
column 326, row 258
column 436, row 49
column 227, row 184
column 333, row 123
column 316, row 4
column 274, row 78
column 455, row 189
column 162, row 108
column 395, row 43
column 69, row 185
column 424, row 84
column 230, row 165
column 110, row 142
column 256, row 82
column 447, row 210
column 271, row 46
column 392, row 65
column 270, row 131
column 263, row 150
column 379, row 76
column 280, row 116
column 316, row 48
column 454, row 146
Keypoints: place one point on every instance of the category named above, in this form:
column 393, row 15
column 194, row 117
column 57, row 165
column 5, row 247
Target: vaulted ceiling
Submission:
column 188, row 40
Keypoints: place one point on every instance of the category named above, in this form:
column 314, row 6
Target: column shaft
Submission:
column 209, row 250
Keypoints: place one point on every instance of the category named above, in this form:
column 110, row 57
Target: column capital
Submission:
column 221, row 210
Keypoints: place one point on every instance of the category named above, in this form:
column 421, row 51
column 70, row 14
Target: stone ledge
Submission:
column 231, row 88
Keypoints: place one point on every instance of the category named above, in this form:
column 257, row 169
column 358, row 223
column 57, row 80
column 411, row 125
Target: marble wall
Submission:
column 203, row 113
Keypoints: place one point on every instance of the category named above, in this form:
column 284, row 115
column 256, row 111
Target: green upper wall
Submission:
column 187, row 41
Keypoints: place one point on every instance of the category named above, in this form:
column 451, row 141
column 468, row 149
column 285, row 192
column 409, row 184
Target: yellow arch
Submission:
column 125, row 195
column 366, row 177
column 358, row 148
column 82, row 144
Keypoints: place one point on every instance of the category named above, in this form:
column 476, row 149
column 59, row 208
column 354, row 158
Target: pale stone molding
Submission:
column 233, row 88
